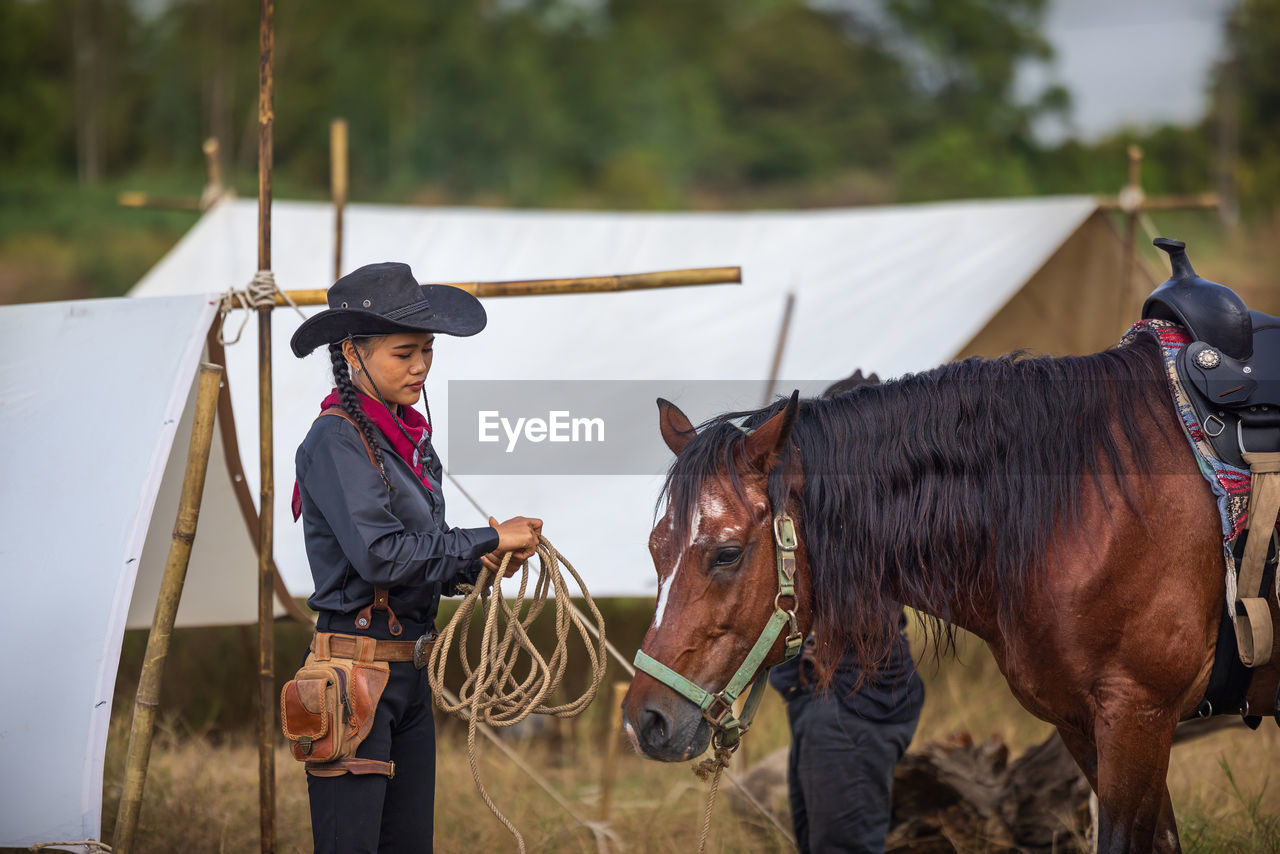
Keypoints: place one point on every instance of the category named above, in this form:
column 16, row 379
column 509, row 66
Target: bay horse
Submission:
column 1050, row 506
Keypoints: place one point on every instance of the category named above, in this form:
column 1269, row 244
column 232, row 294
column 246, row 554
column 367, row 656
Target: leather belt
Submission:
column 417, row 651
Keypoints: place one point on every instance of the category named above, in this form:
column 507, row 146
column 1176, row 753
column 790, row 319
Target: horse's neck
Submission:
column 974, row 611
column 971, row 604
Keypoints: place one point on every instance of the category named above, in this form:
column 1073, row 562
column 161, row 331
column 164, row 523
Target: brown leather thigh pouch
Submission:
column 327, row 708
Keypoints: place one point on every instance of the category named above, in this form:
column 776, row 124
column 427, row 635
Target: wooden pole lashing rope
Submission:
column 263, row 302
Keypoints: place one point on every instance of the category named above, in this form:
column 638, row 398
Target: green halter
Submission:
column 717, row 708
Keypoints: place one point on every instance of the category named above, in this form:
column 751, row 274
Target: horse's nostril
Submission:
column 654, row 726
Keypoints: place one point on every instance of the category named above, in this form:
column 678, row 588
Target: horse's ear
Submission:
column 677, row 430
column 768, row 440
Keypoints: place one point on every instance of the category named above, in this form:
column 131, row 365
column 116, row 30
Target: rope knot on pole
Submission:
column 263, row 290
column 262, row 293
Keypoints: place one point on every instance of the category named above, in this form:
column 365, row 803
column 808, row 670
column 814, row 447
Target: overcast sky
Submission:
column 1131, row 62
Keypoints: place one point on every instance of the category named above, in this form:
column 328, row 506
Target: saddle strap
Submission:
column 1253, row 616
column 351, row 766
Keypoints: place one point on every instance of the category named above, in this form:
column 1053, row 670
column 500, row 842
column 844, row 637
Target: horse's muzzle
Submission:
column 668, row 734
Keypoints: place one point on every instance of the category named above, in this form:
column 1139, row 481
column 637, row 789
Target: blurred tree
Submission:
column 1247, row 98
column 626, row 103
column 36, row 129
column 808, row 93
column 964, row 55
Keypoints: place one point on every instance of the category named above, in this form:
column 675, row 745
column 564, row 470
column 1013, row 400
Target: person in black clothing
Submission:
column 846, row 741
column 381, row 554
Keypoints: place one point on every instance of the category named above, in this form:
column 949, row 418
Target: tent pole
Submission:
column 147, row 700
column 613, row 735
column 783, row 328
column 1134, row 189
column 579, row 285
column 338, row 186
column 213, row 188
column 266, row 504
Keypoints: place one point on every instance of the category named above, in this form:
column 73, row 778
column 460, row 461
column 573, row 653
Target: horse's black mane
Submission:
column 944, row 483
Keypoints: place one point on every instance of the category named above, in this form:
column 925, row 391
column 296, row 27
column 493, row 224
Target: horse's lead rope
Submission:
column 489, row 693
column 712, row 768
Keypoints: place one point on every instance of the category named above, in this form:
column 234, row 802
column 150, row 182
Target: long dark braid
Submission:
column 351, row 403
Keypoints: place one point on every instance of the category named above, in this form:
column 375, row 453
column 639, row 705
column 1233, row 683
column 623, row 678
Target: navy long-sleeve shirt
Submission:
column 359, row 535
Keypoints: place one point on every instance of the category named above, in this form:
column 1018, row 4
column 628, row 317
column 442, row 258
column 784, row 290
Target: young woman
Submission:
column 369, row 496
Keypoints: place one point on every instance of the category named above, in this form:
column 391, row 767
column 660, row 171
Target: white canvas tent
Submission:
column 94, row 395
column 891, row 289
column 91, row 487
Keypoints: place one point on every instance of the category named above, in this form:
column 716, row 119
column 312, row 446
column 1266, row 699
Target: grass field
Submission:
column 202, row 790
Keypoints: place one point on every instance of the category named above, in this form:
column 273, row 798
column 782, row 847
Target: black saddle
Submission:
column 1231, row 369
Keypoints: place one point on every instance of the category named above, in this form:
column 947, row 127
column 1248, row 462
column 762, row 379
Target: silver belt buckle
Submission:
column 420, row 649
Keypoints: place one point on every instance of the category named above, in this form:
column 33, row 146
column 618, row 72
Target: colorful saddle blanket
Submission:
column 1230, row 484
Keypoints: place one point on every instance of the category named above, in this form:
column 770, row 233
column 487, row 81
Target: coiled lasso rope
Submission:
column 490, row 693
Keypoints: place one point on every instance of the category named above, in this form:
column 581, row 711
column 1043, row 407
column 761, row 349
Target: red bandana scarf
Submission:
column 408, row 449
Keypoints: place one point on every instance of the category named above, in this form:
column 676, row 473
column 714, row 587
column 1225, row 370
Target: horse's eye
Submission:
column 726, row 557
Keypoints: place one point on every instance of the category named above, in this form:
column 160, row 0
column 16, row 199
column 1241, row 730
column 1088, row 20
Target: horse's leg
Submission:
column 1133, row 798
column 1166, row 841
column 1084, row 752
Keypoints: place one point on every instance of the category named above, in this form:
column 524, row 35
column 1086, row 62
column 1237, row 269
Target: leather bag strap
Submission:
column 351, row 766
column 320, row 646
column 339, row 412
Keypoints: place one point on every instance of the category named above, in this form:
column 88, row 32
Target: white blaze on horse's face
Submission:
column 711, row 522
column 664, row 582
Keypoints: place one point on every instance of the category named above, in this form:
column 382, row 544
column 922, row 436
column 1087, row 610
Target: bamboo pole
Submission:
column 611, row 749
column 266, row 503
column 136, row 199
column 338, row 184
column 147, row 700
column 1134, row 204
column 1131, row 198
column 213, row 188
column 582, row 285
column 1191, row 201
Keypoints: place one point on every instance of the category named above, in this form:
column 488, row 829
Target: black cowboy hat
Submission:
column 378, row 299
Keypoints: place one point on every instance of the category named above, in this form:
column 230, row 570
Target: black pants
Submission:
column 840, row 774
column 369, row 812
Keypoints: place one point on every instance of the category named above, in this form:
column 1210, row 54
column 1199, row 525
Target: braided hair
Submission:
column 351, row 403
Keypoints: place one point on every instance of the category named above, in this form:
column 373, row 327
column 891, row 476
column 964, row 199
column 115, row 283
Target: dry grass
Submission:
column 202, row 789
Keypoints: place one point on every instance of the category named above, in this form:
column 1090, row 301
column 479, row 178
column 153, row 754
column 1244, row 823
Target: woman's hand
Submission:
column 519, row 536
